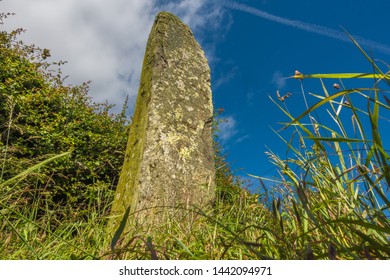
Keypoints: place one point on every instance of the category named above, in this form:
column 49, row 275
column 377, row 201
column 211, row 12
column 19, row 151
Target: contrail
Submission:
column 309, row 27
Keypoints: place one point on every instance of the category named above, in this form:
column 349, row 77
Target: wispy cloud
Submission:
column 278, row 79
column 239, row 140
column 225, row 77
column 227, row 129
column 309, row 27
column 229, row 133
column 249, row 98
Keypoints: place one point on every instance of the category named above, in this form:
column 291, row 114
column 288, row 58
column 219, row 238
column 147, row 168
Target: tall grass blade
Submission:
column 24, row 241
column 42, row 228
column 342, row 76
column 184, row 247
column 120, row 229
column 332, row 252
column 323, row 102
column 26, row 172
column 149, row 245
column 387, row 80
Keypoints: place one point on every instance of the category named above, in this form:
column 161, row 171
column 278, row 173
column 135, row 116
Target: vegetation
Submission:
column 61, row 155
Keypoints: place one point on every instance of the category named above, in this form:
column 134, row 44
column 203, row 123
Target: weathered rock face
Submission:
column 169, row 159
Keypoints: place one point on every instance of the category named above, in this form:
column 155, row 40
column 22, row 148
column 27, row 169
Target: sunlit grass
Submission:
column 30, row 232
column 336, row 185
column 329, row 201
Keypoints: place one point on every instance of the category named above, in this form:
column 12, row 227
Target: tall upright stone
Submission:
column 169, row 161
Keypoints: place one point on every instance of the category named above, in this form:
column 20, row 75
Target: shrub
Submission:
column 41, row 116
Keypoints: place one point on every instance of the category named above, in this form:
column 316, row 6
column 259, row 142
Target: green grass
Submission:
column 330, row 200
column 337, row 175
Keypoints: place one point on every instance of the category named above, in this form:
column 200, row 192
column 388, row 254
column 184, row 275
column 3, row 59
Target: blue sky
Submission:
column 251, row 46
column 272, row 39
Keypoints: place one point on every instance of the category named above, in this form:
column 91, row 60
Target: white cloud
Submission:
column 103, row 41
column 227, row 129
column 278, row 79
column 229, row 133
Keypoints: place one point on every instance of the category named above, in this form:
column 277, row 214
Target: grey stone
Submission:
column 169, row 161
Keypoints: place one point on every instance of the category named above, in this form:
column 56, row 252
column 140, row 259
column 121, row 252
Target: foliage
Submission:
column 61, row 155
column 41, row 116
column 335, row 183
column 228, row 184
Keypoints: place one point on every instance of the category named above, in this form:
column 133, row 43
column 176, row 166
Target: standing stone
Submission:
column 169, row 161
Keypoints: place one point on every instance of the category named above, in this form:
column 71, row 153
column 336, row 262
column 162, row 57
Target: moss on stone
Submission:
column 169, row 155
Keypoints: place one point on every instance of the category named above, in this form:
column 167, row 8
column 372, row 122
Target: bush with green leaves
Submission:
column 42, row 116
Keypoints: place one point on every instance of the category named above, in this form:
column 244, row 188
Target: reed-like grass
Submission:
column 28, row 231
column 330, row 200
column 334, row 198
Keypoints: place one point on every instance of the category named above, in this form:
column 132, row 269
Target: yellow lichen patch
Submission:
column 179, row 113
column 185, row 153
column 173, row 138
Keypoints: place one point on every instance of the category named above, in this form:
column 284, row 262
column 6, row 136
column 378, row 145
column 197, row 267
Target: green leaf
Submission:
column 120, row 229
column 339, row 139
column 184, row 247
column 25, row 173
column 322, row 102
column 342, row 76
column 151, row 249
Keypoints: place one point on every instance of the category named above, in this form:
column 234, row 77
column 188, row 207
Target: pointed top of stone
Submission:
column 166, row 14
column 163, row 15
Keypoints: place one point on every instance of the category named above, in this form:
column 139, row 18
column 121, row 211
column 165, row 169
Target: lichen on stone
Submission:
column 169, row 155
